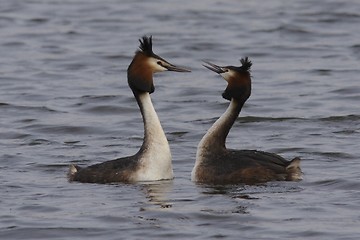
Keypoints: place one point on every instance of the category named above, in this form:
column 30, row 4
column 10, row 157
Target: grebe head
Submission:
column 144, row 64
column 238, row 79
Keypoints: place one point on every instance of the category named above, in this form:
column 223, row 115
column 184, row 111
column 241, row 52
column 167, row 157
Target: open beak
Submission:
column 174, row 68
column 214, row 68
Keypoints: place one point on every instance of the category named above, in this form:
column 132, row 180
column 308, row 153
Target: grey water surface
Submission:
column 64, row 99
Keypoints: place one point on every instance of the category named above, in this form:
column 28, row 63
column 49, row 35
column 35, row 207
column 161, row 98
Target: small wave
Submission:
column 335, row 155
column 63, row 129
column 178, row 133
column 13, row 44
column 35, row 142
column 249, row 119
column 115, row 57
column 356, row 47
column 351, row 117
column 99, row 97
column 51, row 167
column 13, row 135
column 43, row 232
column 38, row 20
column 338, row 183
column 27, row 108
column 322, row 72
column 248, row 191
column 108, row 110
column 287, row 29
column 348, row 90
column 73, row 66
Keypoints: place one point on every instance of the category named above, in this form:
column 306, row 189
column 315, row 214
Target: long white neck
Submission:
column 155, row 155
column 215, row 137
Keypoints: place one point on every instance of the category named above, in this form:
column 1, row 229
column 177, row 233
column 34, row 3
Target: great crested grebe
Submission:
column 153, row 161
column 215, row 163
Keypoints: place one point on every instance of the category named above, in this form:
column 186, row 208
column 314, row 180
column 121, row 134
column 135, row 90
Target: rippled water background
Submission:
column 64, row 99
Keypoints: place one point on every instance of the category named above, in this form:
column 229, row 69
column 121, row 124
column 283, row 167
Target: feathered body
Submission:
column 153, row 161
column 218, row 165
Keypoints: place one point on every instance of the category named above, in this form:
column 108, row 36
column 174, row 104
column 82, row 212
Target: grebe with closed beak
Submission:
column 215, row 164
column 153, row 161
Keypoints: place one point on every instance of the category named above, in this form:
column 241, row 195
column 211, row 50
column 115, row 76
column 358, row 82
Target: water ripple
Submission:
column 65, row 100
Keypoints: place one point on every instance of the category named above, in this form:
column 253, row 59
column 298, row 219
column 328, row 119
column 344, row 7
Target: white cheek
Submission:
column 154, row 66
column 227, row 75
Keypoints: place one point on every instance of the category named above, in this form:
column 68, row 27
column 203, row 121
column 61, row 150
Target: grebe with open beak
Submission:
column 215, row 164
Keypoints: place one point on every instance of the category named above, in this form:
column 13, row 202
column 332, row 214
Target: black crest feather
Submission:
column 246, row 64
column 146, row 45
